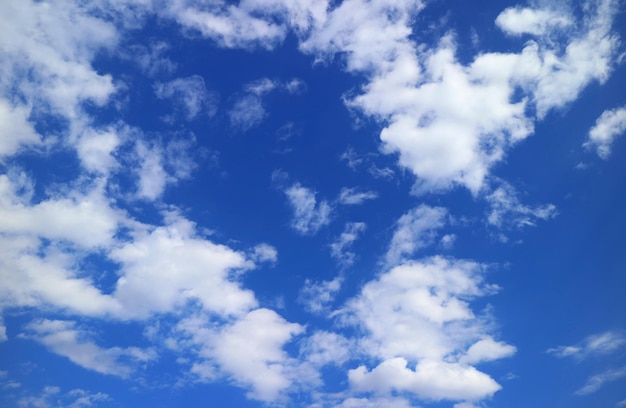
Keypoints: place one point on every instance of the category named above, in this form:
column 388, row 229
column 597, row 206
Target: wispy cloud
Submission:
column 595, row 382
column 597, row 344
column 66, row 339
column 354, row 196
column 414, row 230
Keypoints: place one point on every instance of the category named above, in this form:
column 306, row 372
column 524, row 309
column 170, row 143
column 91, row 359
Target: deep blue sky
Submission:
column 385, row 203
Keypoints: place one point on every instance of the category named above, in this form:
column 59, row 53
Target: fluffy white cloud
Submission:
column 309, row 215
column 340, row 248
column 449, row 122
column 86, row 220
column 417, row 321
column 166, row 266
column 414, row 230
column 51, row 46
column 15, row 128
column 611, row 124
column 189, row 97
column 95, row 148
column 249, row 351
column 65, row 339
column 436, row 380
column 518, row 21
column 487, row 349
column 353, row 196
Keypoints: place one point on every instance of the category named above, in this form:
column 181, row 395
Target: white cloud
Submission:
column 189, row 96
column 317, row 296
column 248, row 109
column 52, row 397
column 166, row 266
column 309, row 215
column 597, row 344
column 611, row 124
column 95, row 149
column 414, row 230
column 507, row 211
column 449, row 122
column 323, row 348
column 86, row 220
column 15, row 128
column 436, row 380
column 417, row 321
column 596, row 382
column 151, row 59
column 3, row 335
column 375, row 402
column 264, row 253
column 353, row 196
column 228, row 25
column 65, row 339
column 247, row 112
column 487, row 349
column 162, row 164
column 57, row 44
column 248, row 350
column 517, row 21
column 340, row 248
column 251, row 350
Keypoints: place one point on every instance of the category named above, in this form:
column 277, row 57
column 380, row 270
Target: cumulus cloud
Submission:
column 15, row 128
column 436, row 380
column 189, row 96
column 309, row 215
column 180, row 266
column 249, row 351
column 67, row 340
column 610, row 124
column 418, row 323
column 414, row 230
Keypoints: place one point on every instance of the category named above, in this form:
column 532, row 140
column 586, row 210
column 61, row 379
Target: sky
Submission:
column 312, row 203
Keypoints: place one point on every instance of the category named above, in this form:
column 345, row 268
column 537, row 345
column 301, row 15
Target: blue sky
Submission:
column 257, row 203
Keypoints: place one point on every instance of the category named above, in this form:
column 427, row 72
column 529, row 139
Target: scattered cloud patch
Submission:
column 415, row 230
column 506, row 211
column 67, row 340
column 339, row 249
column 189, row 97
column 309, row 215
column 353, row 196
column 317, row 296
column 610, row 124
